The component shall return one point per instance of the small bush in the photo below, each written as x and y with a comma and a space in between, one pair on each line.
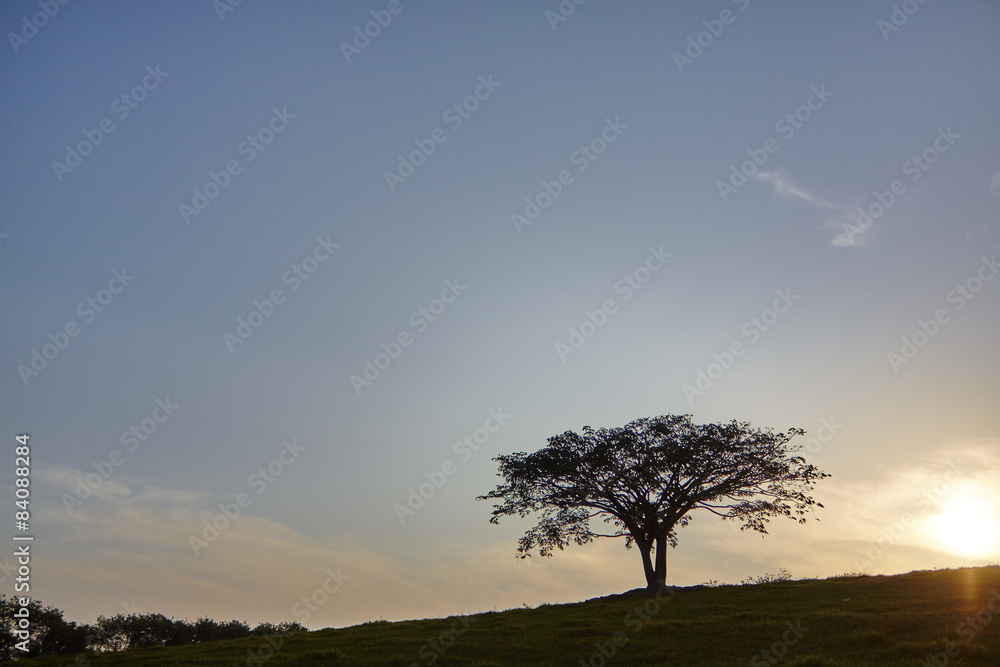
768, 578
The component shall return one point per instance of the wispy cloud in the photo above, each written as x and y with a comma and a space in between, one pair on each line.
995, 185
77, 487
783, 186
842, 222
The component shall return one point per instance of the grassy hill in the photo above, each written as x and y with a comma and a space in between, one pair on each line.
884, 620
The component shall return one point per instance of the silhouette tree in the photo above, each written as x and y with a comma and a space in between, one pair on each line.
645, 478
48, 633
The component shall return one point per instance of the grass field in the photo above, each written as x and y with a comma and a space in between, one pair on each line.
909, 619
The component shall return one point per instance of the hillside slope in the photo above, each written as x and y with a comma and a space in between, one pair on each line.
907, 619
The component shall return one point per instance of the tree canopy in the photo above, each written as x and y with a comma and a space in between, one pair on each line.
645, 478
48, 633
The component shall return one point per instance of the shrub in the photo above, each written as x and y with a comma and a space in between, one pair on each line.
768, 578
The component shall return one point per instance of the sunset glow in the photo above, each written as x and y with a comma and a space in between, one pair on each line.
968, 525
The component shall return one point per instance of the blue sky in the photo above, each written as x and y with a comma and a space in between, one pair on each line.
839, 111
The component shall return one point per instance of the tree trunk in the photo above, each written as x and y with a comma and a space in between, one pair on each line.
647, 563
659, 579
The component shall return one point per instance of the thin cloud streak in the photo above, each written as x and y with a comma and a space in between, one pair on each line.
848, 234
784, 187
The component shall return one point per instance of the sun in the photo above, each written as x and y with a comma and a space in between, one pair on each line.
968, 524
